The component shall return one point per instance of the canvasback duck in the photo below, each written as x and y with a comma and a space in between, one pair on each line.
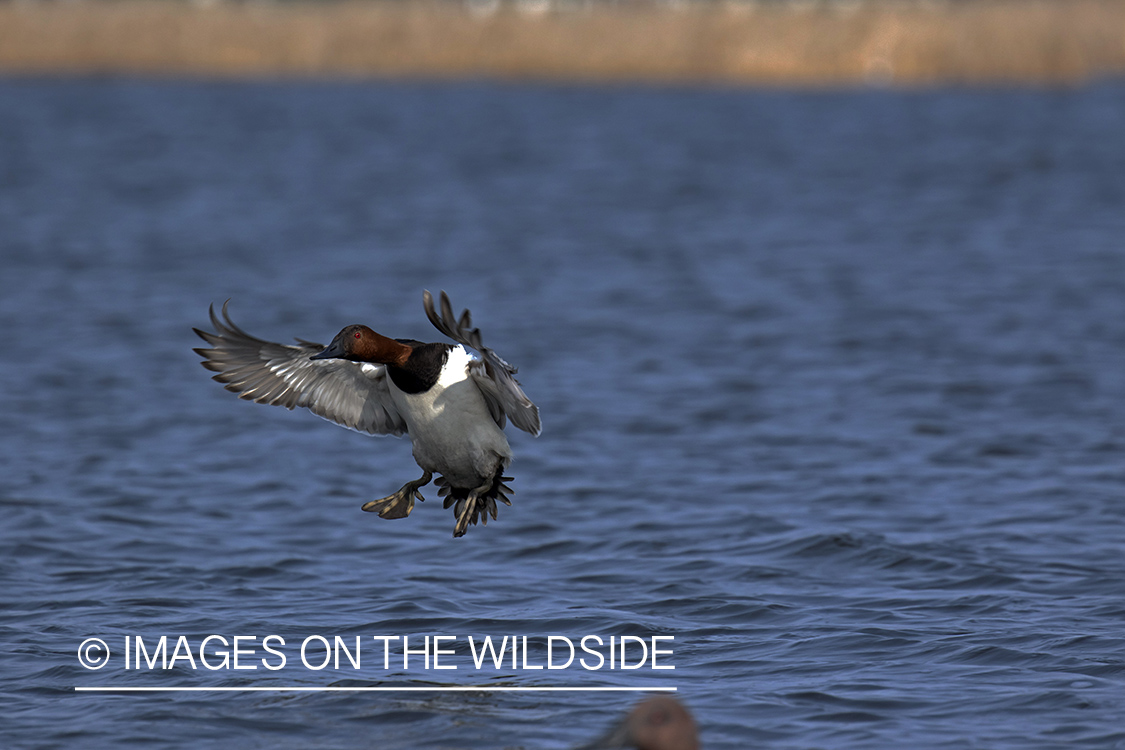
657, 723
452, 405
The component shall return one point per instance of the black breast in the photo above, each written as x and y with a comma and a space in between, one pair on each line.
422, 369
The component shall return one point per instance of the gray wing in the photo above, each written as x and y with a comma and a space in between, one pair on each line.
492, 374
347, 393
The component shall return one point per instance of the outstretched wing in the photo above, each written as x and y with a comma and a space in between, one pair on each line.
348, 393
492, 374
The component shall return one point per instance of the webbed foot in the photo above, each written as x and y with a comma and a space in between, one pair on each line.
400, 503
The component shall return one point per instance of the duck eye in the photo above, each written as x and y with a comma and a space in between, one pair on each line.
357, 334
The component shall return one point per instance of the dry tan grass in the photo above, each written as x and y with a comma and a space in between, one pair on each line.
1039, 41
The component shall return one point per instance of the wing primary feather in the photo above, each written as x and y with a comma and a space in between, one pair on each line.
493, 375
283, 375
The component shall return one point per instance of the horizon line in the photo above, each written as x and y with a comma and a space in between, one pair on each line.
358, 689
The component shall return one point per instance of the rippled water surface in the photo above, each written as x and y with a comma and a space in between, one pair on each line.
833, 392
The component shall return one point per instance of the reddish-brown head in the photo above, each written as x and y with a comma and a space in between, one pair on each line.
657, 723
359, 343
662, 723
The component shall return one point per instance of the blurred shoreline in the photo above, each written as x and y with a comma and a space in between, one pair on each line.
741, 42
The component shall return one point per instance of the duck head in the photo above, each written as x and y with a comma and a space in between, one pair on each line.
359, 343
658, 723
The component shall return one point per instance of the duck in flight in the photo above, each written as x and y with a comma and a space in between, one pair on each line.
452, 405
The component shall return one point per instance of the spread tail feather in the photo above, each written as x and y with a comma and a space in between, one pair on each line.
469, 505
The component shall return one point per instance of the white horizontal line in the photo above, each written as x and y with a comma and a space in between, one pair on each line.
459, 689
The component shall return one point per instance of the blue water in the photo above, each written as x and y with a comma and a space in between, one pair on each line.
832, 385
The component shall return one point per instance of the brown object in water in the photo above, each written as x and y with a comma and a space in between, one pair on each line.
657, 723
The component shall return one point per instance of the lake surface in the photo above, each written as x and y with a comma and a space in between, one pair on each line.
832, 386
